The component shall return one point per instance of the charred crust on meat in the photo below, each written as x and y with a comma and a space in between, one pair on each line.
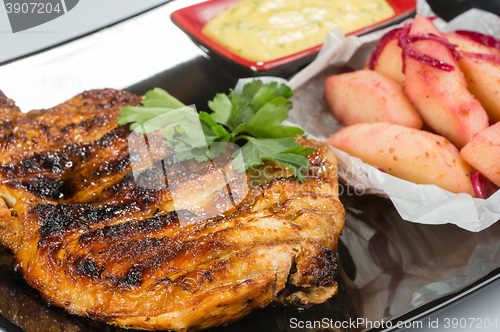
322, 267
79, 152
112, 137
55, 219
134, 277
51, 162
52, 220
87, 267
110, 97
44, 187
134, 228
114, 165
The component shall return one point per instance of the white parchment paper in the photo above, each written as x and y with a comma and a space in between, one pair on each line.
427, 204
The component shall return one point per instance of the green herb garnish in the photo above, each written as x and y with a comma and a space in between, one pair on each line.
251, 119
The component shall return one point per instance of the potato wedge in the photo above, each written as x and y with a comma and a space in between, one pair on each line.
441, 97
368, 96
483, 153
483, 80
410, 154
390, 62
467, 44
482, 75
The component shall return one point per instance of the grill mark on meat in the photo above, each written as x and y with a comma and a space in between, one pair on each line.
58, 162
54, 163
127, 188
52, 220
60, 172
78, 152
8, 141
123, 231
115, 164
108, 98
85, 126
128, 261
133, 277
113, 137
63, 217
87, 267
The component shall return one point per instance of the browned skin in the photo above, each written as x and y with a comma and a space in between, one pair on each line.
94, 242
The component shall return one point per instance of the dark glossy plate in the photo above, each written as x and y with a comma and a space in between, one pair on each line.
383, 262
192, 19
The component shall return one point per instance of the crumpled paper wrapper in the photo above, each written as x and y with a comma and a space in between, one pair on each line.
427, 204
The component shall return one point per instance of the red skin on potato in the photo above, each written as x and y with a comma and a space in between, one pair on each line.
389, 61
441, 97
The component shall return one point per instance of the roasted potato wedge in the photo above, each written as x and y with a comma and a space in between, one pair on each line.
410, 154
368, 96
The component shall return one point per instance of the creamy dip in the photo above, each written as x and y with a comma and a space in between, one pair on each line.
262, 30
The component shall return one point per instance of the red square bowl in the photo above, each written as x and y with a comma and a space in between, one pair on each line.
192, 19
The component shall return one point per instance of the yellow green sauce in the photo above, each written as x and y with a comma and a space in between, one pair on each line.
263, 30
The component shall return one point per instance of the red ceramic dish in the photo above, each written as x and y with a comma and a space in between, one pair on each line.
192, 19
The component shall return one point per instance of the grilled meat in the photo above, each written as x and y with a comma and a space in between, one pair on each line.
92, 231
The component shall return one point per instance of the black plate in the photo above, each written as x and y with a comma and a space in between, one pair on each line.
386, 265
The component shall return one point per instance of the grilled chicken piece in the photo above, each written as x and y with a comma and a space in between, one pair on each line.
95, 236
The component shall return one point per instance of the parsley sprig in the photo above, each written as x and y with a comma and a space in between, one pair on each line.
252, 119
